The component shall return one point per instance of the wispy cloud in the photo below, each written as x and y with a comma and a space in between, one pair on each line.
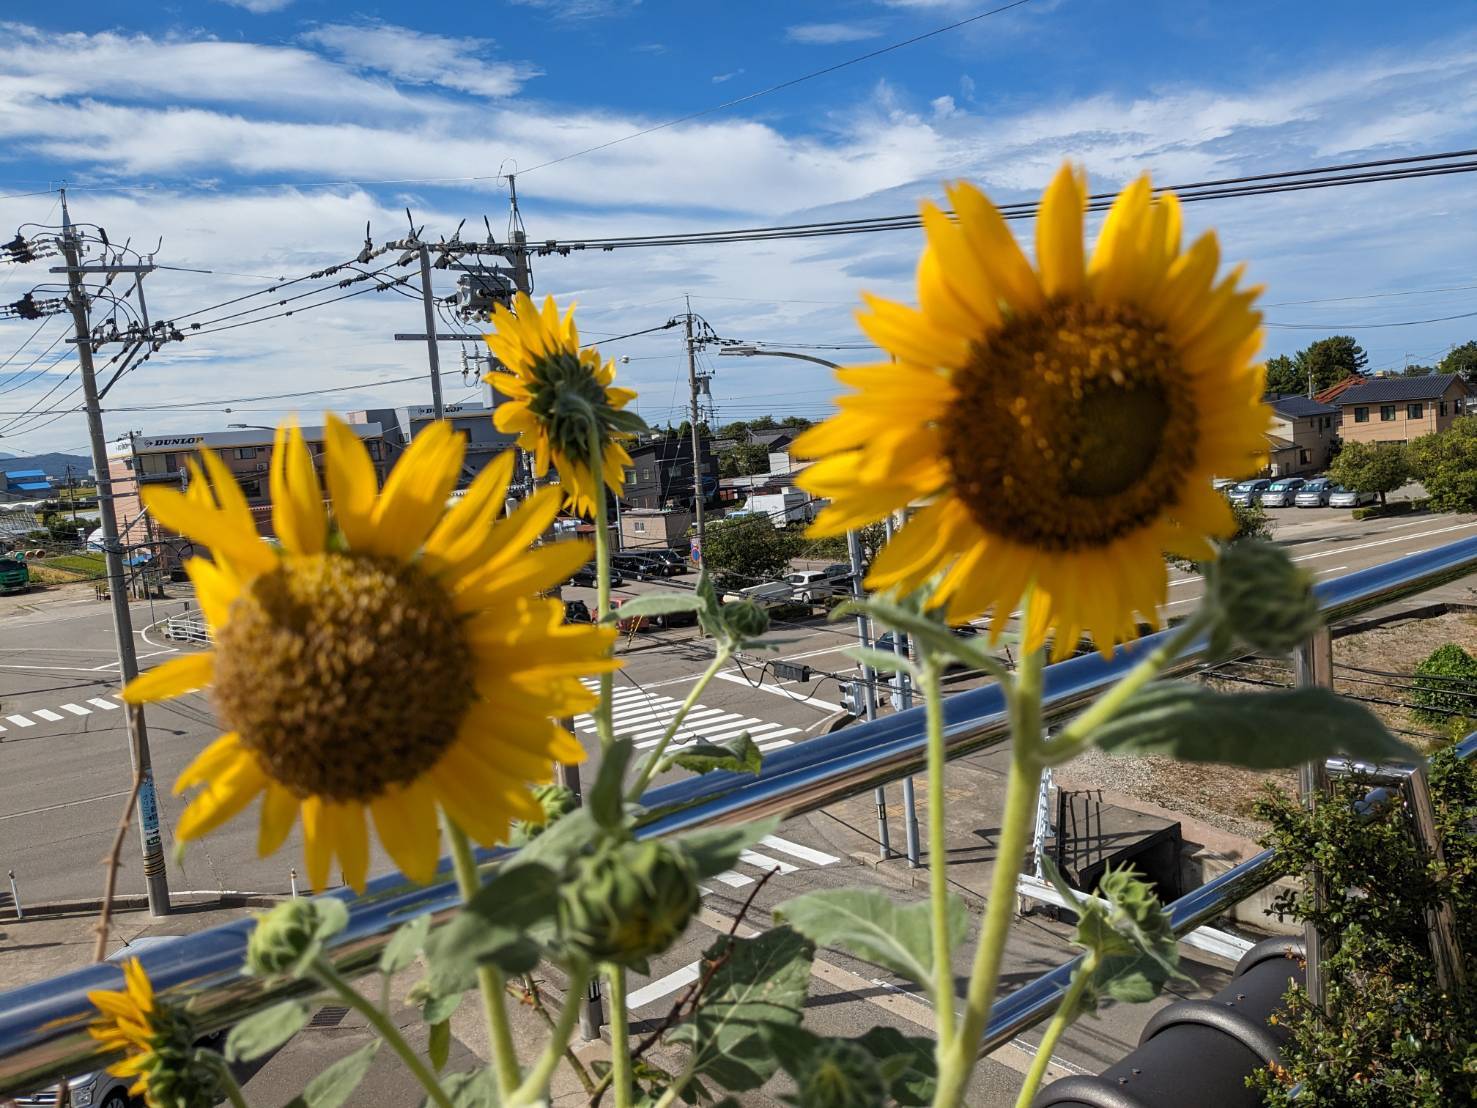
258, 7
720, 78
828, 34
417, 58
581, 9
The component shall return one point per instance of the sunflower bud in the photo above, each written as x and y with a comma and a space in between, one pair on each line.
290, 936
1260, 598
839, 1074
556, 801
745, 619
177, 1075
626, 901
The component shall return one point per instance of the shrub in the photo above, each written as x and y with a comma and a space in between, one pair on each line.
1446, 685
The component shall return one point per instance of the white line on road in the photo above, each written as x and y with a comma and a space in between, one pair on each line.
663, 986
798, 850
47, 714
76, 709
105, 705
765, 862
776, 691
21, 721
1339, 551
68, 804
1194, 599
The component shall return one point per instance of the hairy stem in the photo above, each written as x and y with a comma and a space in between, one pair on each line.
535, 1086
1066, 1013
489, 978
720, 659
620, 1036
537, 1000
330, 979
226, 1080
938, 855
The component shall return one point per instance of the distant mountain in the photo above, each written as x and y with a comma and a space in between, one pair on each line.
53, 464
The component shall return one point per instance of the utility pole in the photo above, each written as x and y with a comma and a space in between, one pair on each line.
697, 448
138, 736
428, 299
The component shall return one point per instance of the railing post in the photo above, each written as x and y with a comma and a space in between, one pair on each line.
15, 896
1446, 950
1314, 661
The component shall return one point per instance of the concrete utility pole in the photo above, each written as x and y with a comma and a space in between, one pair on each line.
138, 736
433, 355
697, 446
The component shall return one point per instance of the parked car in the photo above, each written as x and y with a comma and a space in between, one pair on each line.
1314, 493
885, 640
812, 586
1347, 498
576, 611
1220, 484
650, 622
770, 594
1247, 491
674, 562
585, 575
1280, 493
640, 567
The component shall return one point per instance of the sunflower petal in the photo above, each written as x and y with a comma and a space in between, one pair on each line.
172, 678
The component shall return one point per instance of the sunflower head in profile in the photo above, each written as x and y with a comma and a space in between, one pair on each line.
1057, 426
157, 1042
389, 659
556, 393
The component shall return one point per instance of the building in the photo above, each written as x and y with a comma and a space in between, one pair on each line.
1302, 437
1399, 409
652, 527
782, 506
139, 461
27, 484
660, 473
474, 420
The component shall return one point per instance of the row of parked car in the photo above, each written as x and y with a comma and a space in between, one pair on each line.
1297, 492
645, 565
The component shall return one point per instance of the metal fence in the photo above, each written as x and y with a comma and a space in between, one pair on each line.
43, 1026
190, 627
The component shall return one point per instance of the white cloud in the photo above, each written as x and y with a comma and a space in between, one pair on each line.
720, 78
259, 7
417, 58
581, 9
943, 106
828, 34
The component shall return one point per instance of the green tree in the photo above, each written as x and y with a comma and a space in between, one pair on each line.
1446, 687
1282, 376
744, 459
1446, 464
795, 422
1461, 359
1329, 361
748, 550
1370, 467
873, 537
1252, 522
1417, 371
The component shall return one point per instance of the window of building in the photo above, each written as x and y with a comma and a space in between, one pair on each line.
374, 450
1387, 413
1361, 415
171, 463
1304, 457
639, 526
1442, 409
629, 476
1415, 411
251, 488
245, 452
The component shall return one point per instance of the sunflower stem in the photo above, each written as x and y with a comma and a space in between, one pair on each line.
1066, 1013
329, 978
938, 855
489, 978
226, 1079
648, 770
1022, 787
620, 1036
604, 725
1072, 739
536, 1084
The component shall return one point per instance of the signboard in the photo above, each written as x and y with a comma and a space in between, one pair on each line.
697, 554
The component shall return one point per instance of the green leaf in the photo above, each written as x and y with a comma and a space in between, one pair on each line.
715, 849
471, 1089
571, 834
654, 604
868, 924
760, 985
335, 1084
606, 804
405, 944
710, 611
438, 1045
1270, 730
739, 755
907, 1063
499, 925
883, 660
437, 1009
266, 1031
936, 636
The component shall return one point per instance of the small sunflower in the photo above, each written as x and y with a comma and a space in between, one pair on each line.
384, 664
157, 1043
1059, 425
554, 388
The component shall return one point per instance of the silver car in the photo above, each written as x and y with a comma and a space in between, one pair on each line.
1247, 491
1340, 497
1279, 493
1315, 493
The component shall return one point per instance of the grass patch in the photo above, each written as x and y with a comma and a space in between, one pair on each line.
82, 565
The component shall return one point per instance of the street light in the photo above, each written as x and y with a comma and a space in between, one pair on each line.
748, 351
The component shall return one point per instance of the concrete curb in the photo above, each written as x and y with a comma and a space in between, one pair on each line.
192, 898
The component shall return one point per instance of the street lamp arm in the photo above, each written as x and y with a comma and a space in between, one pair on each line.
754, 352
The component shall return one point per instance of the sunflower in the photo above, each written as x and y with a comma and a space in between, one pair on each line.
1058, 426
554, 389
153, 1038
381, 665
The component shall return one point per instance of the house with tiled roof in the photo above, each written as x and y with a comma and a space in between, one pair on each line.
1302, 435
1399, 409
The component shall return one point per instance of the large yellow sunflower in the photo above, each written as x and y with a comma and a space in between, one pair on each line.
129, 1024
385, 661
554, 390
1057, 426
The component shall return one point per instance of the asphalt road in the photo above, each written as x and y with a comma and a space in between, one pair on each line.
64, 770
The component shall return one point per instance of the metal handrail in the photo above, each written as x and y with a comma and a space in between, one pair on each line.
43, 1025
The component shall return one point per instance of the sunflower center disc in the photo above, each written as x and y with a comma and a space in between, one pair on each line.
343, 673
1071, 428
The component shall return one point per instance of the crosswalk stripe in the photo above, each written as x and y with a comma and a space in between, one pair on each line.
663, 986
686, 732
106, 705
76, 709
730, 730
780, 734
21, 721
692, 717
731, 877
799, 850
48, 714
765, 862
775, 745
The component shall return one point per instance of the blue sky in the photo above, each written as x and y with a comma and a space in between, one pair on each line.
254, 137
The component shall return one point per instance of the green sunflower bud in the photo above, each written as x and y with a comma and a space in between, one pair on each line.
839, 1074
626, 901
180, 1074
556, 801
291, 935
1260, 598
745, 619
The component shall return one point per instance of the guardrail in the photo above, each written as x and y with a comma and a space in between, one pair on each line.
43, 1026
187, 628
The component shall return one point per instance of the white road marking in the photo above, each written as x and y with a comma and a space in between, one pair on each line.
663, 986
48, 714
810, 701
706, 713
1194, 599
106, 705
77, 709
798, 850
765, 862
21, 721
1339, 551
763, 747
68, 804
737, 880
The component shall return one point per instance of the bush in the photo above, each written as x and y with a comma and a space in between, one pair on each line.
1398, 508
1370, 467
1446, 463
1446, 685
1252, 522
1388, 1035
